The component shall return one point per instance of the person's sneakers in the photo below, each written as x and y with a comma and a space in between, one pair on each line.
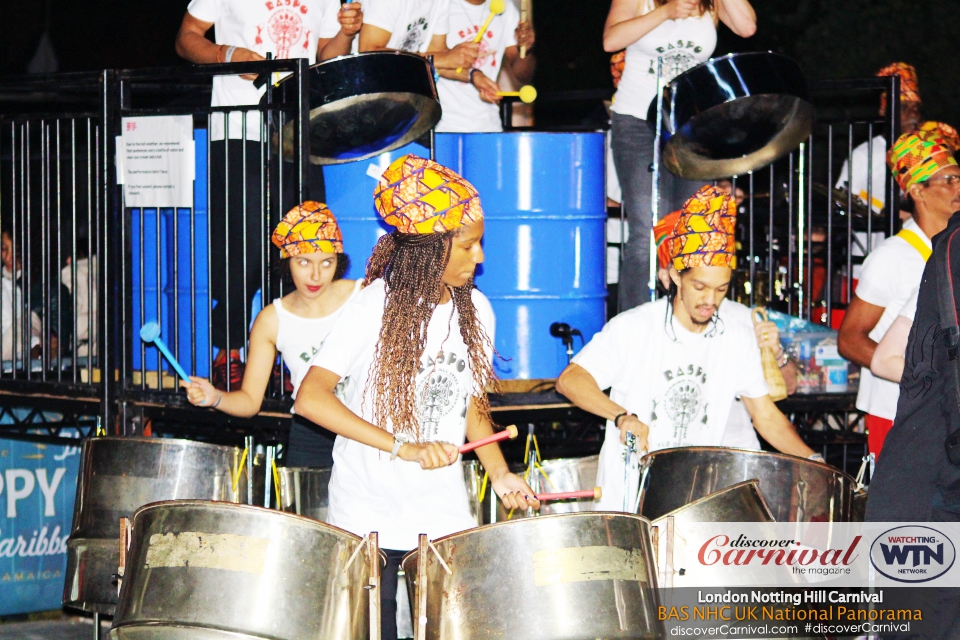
224, 370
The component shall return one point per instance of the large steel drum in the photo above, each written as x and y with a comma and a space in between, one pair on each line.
364, 104
303, 490
563, 577
795, 489
117, 477
733, 114
210, 570
558, 475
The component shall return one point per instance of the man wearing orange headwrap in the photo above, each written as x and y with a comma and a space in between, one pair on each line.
873, 152
923, 165
673, 366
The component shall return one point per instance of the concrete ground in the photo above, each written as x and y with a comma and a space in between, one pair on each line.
65, 628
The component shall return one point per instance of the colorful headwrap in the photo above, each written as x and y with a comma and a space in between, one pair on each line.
618, 63
916, 157
909, 87
420, 196
942, 130
704, 232
661, 231
308, 228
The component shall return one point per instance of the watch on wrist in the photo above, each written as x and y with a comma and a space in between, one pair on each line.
816, 458
399, 439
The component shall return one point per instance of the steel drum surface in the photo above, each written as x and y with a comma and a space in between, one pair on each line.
795, 489
364, 104
303, 491
213, 570
544, 206
733, 114
118, 475
564, 577
562, 474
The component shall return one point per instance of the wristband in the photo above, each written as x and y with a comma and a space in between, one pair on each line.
217, 404
229, 54
473, 71
783, 359
616, 421
399, 439
817, 458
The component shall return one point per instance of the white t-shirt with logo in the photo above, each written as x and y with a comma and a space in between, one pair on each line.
890, 274
683, 44
463, 110
284, 28
739, 432
398, 499
679, 383
857, 178
411, 23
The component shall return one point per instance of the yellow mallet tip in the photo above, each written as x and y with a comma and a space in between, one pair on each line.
527, 94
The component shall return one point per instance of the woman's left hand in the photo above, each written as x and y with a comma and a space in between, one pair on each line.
514, 492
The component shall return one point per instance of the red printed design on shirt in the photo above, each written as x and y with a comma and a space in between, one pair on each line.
284, 27
488, 54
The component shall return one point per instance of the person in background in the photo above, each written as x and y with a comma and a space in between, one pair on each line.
856, 180
247, 30
684, 34
927, 174
470, 98
674, 367
313, 262
13, 324
85, 296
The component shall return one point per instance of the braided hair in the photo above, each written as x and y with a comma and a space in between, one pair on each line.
411, 267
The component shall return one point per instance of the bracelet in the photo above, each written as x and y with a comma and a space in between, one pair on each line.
229, 56
816, 458
783, 359
616, 421
218, 401
473, 71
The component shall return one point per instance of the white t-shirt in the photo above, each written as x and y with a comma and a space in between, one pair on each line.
909, 310
411, 23
890, 273
463, 110
285, 28
858, 180
739, 432
398, 499
683, 44
679, 383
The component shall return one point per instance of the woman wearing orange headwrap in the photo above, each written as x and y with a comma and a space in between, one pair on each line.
312, 261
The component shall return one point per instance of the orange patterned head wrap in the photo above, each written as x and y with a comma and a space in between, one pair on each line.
661, 231
703, 234
909, 87
420, 196
308, 228
931, 129
916, 157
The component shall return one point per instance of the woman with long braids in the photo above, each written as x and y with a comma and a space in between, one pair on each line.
417, 345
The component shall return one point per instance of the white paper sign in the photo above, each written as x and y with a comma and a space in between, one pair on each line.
155, 161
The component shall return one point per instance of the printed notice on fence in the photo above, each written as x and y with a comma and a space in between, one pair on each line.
155, 161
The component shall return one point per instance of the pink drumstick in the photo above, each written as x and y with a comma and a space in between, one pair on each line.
509, 432
591, 494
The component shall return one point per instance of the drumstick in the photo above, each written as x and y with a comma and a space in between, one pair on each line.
509, 432
150, 332
589, 494
496, 8
527, 93
524, 17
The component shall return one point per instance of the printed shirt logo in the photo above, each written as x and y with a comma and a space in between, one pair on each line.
284, 27
683, 404
416, 32
677, 57
440, 392
488, 54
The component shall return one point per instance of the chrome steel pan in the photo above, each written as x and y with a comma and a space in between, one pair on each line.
364, 104
733, 114
558, 475
117, 477
795, 489
212, 570
303, 490
561, 577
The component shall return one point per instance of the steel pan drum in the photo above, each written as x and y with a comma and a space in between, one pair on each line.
117, 477
563, 577
733, 114
303, 490
364, 104
859, 511
795, 489
565, 474
209, 570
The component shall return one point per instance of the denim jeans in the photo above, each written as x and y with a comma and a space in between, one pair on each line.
632, 142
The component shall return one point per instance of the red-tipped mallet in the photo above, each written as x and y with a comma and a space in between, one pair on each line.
510, 432
589, 494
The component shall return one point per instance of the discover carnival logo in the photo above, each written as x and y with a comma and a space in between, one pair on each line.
912, 554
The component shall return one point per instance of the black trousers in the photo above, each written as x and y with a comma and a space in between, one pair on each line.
389, 581
310, 445
241, 222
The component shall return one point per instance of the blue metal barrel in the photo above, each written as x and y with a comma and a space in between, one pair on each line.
545, 215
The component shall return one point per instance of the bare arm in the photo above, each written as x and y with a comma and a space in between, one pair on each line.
192, 45
522, 68
581, 388
888, 360
853, 341
316, 401
508, 486
770, 423
625, 25
461, 56
739, 16
351, 20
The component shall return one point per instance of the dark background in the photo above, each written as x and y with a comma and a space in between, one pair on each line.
830, 39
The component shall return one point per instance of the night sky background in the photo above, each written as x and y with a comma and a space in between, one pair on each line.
830, 39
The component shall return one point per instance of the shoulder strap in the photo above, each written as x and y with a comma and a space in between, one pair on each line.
916, 242
949, 323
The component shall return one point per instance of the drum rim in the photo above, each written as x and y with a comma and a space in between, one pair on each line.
353, 56
160, 441
776, 454
752, 481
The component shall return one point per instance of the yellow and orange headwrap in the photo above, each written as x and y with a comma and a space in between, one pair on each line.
704, 232
916, 157
661, 231
933, 129
909, 87
308, 228
420, 196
